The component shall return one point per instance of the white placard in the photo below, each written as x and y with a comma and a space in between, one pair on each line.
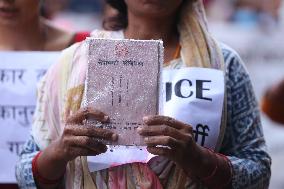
195, 96
19, 74
191, 95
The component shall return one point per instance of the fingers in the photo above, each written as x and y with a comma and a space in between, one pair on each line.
87, 113
90, 131
80, 141
89, 143
165, 136
172, 143
164, 120
160, 151
162, 141
79, 151
162, 130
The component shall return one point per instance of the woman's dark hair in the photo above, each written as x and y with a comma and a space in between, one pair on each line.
120, 5
119, 21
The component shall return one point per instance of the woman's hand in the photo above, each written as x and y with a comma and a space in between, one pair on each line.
165, 136
83, 140
77, 140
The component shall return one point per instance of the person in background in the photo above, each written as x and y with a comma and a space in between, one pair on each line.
207, 3
256, 12
23, 29
219, 10
112, 18
54, 156
249, 13
51, 8
273, 7
273, 102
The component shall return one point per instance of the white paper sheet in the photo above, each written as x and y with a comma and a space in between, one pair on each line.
19, 73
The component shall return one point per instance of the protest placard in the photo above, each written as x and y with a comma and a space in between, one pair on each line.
19, 74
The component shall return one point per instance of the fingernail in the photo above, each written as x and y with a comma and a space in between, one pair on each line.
104, 149
146, 139
106, 118
139, 129
146, 119
114, 137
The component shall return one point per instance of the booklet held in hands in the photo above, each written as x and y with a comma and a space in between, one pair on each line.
123, 81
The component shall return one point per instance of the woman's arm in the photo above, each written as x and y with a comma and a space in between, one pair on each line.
77, 139
46, 164
173, 139
244, 142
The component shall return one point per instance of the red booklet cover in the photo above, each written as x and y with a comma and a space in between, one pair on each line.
123, 81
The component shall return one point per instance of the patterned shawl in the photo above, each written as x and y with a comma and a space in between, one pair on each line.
60, 95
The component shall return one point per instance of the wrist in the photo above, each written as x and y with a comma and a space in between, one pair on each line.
55, 154
200, 164
51, 163
221, 175
208, 163
41, 179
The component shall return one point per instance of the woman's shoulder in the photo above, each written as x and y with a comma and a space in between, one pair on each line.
233, 62
230, 54
236, 71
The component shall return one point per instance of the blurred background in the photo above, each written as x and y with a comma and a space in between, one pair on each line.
254, 28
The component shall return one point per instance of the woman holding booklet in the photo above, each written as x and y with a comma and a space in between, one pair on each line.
55, 154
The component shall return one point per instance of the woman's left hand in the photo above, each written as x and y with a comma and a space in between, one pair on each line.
165, 136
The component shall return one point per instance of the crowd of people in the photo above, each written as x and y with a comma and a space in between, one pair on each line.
245, 12
53, 157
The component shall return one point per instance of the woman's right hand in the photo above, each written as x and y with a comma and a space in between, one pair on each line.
76, 140
79, 139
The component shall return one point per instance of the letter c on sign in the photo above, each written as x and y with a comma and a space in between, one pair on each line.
178, 88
